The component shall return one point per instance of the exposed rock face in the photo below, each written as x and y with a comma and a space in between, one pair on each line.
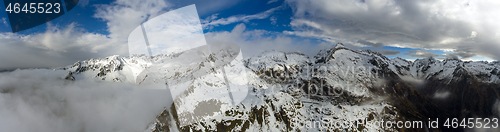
291, 91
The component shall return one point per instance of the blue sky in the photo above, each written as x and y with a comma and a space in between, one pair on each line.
394, 28
84, 16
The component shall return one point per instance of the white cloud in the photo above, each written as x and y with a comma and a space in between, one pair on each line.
311, 34
465, 26
175, 31
473, 34
57, 47
413, 80
421, 54
254, 42
210, 22
442, 95
272, 1
449, 55
39, 100
122, 16
4, 21
273, 20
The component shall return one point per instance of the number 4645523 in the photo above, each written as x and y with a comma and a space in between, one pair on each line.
34, 8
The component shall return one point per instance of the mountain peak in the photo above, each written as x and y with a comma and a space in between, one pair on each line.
339, 45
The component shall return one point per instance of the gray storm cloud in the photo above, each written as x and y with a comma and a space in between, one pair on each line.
468, 28
367, 43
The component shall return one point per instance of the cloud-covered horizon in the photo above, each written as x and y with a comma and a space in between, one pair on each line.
41, 100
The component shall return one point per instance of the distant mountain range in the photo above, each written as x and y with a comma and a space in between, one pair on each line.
291, 91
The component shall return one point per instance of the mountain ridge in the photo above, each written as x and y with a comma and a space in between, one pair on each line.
367, 82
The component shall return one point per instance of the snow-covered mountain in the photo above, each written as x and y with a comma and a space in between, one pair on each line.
290, 91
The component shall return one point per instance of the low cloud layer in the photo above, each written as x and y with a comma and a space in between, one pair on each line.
39, 100
441, 95
425, 54
421, 54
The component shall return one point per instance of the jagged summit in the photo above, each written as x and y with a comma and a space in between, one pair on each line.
339, 45
326, 54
